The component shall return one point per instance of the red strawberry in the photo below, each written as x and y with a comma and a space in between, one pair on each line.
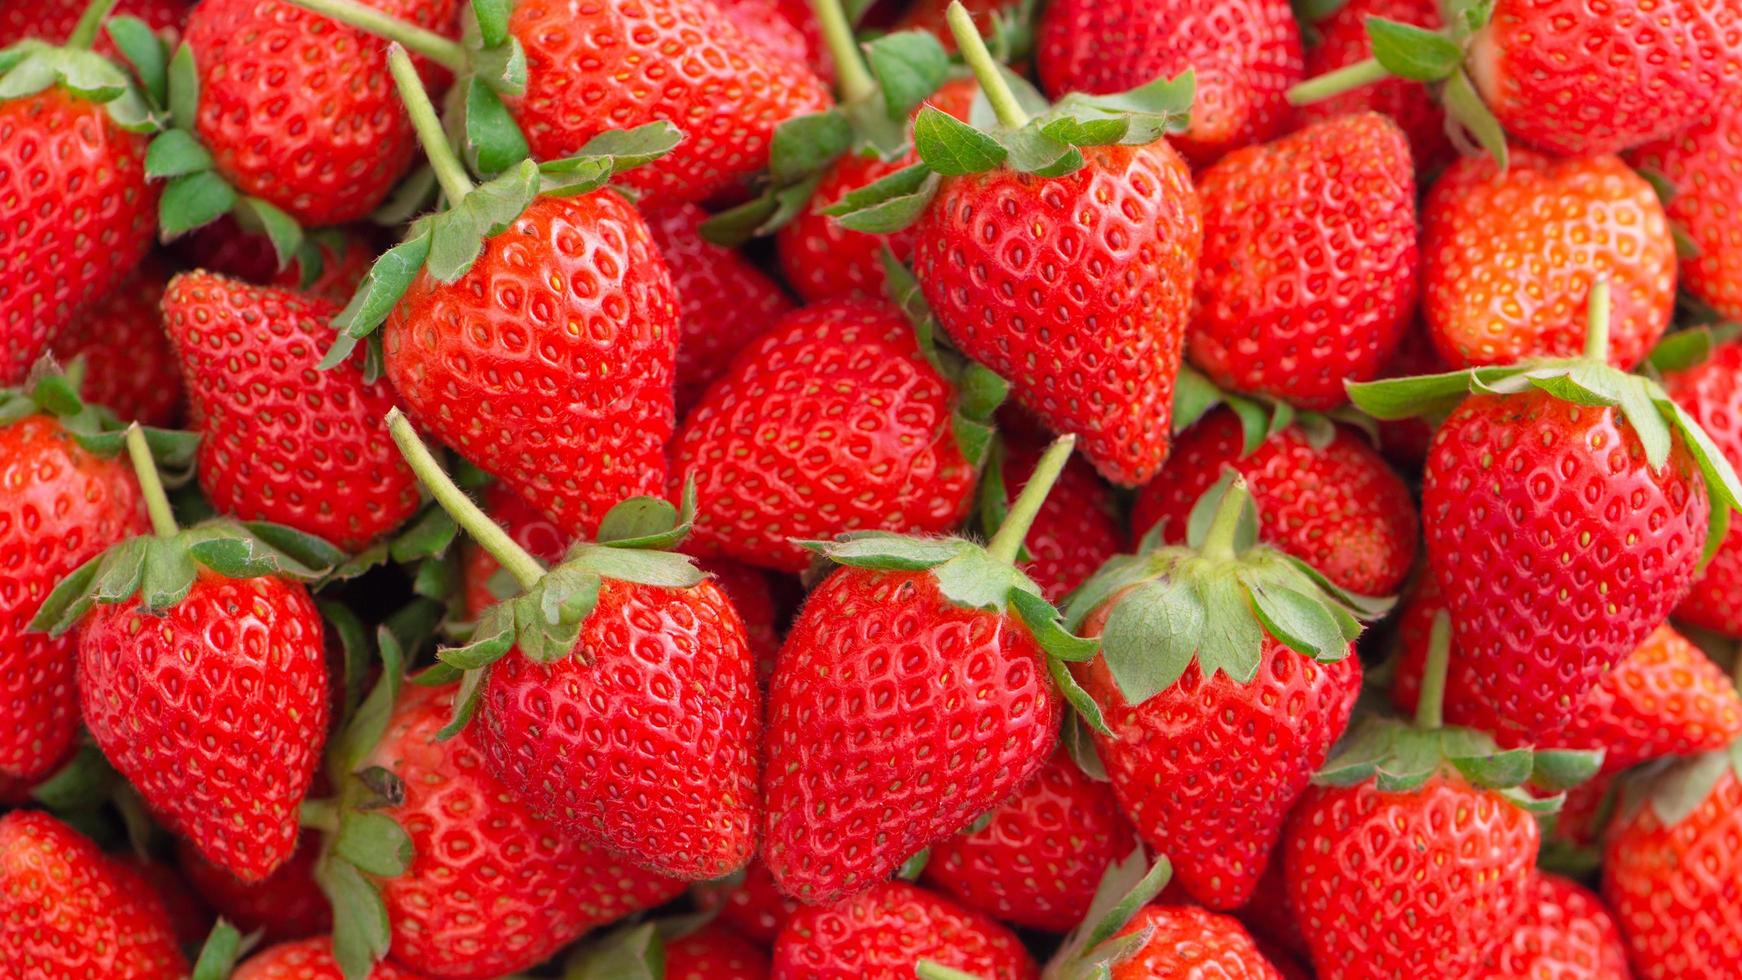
1699, 163
309, 959
724, 300
65, 912
714, 952
63, 504
832, 421
286, 904
1670, 872
1509, 257
189, 918
1323, 496
1075, 531
1710, 392
492, 888
130, 366
1216, 725
1245, 53
785, 27
283, 441
749, 902
753, 597
1343, 41
1565, 933
1038, 859
885, 932
1309, 262
54, 20
1190, 942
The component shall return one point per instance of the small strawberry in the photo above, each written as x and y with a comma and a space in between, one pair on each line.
1245, 53
1218, 716
1323, 496
309, 959
65, 912
714, 952
1075, 531
287, 904
933, 651
1699, 165
1670, 871
1309, 261
130, 366
1712, 394
886, 932
1509, 257
1343, 41
1565, 933
748, 901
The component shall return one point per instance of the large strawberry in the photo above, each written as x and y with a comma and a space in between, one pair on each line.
1245, 53
72, 174
130, 367
1699, 165
202, 674
620, 698
885, 933
1323, 496
1342, 40
1565, 507
1224, 676
64, 501
65, 912
1671, 867
912, 695
1711, 392
1565, 933
1309, 266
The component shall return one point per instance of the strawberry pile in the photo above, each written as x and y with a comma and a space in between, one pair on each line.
827, 489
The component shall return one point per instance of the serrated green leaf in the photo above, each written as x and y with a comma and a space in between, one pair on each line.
68, 602
1402, 398
387, 280
1412, 52
193, 200
952, 147
806, 145
361, 931
121, 573
762, 215
1302, 622
175, 152
891, 551
663, 569
974, 579
909, 66
1115, 575
169, 573
1232, 640
457, 236
1031, 151
494, 141
1151, 636
637, 517
627, 148
184, 88
888, 204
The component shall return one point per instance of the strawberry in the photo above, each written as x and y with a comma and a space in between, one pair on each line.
1246, 54
1216, 725
714, 952
1711, 394
75, 228
748, 901
287, 904
66, 912
620, 699
753, 596
884, 933
309, 959
63, 504
1040, 855
786, 28
1186, 941
1565, 932
834, 420
1698, 164
1343, 41
1309, 261
1563, 500
1075, 531
1670, 871
1509, 257
844, 704
54, 20
1323, 496
189, 918
130, 366
330, 264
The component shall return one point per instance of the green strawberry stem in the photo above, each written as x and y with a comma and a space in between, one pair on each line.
1429, 707
851, 73
150, 484
320, 815
443, 51
85, 31
1225, 525
1597, 323
974, 52
1334, 83
449, 171
1007, 543
510, 555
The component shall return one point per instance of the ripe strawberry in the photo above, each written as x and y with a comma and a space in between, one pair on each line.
1309, 262
714, 952
748, 901
1216, 727
282, 441
53, 20
309, 959
66, 912
724, 300
189, 918
1711, 394
492, 888
1343, 41
1670, 872
1509, 257
287, 904
1191, 942
1323, 496
1075, 531
752, 595
1040, 855
785, 27
1699, 164
1246, 54
63, 504
130, 367
834, 420
1564, 933
885, 932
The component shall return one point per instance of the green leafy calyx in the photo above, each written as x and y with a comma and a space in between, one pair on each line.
1095, 946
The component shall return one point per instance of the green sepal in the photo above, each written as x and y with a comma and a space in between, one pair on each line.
491, 19
909, 66
1464, 106
31, 66
1562, 769
1412, 52
630, 952
174, 153
54, 390
457, 235
979, 390
933, 970
283, 231
605, 156
1074, 736
386, 281
223, 947
889, 203
85, 782
1136, 117
1677, 789
193, 200
493, 140
145, 52
362, 933
363, 730
1095, 946
375, 843
649, 522
953, 148
763, 214
914, 866
1399, 757
184, 88
808, 144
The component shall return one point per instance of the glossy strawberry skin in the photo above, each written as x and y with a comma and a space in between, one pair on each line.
1565, 934
1673, 888
1208, 768
832, 421
282, 440
285, 905
1075, 531
492, 889
1343, 41
214, 710
1038, 860
1508, 259
1190, 943
1556, 547
714, 952
882, 933
66, 913
1340, 508
1245, 54
79, 217
1700, 162
1712, 394
298, 109
1577, 81
309, 959
1309, 264
130, 367
59, 507
1420, 883
894, 719
563, 391
751, 903
631, 62
644, 739
1076, 290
